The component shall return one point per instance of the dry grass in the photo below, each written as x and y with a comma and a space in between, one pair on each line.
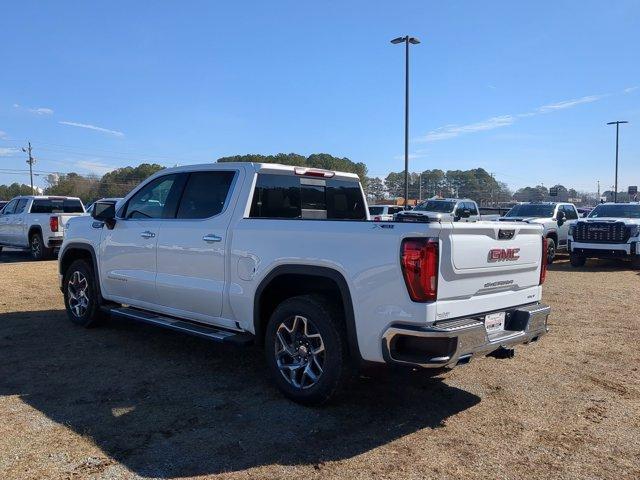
124, 400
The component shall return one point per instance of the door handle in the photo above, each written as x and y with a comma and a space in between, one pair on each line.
210, 238
147, 234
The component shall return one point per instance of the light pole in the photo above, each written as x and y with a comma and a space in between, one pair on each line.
617, 124
414, 41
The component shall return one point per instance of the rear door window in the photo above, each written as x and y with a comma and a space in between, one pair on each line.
205, 194
472, 208
56, 205
289, 196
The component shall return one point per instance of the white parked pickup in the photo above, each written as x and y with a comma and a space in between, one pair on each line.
287, 258
37, 223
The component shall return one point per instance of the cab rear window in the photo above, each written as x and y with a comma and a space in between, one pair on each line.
56, 205
289, 196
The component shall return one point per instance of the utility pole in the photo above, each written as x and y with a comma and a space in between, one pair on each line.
598, 200
407, 40
30, 161
617, 124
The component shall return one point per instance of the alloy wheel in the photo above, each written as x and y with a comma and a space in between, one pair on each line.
299, 352
77, 290
551, 253
36, 247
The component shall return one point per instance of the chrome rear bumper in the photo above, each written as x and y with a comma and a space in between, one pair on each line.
449, 342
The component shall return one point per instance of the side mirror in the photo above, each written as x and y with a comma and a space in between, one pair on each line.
105, 211
466, 213
561, 217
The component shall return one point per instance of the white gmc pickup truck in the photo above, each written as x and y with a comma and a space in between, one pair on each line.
37, 222
286, 257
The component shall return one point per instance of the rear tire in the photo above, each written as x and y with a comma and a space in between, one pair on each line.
306, 349
551, 250
81, 298
635, 263
39, 250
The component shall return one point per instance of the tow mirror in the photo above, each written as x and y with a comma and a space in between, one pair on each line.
105, 211
466, 213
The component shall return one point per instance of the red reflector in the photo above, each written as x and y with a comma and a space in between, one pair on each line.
419, 261
310, 172
377, 218
543, 261
53, 224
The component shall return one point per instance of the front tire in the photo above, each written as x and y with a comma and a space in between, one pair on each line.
306, 349
577, 260
81, 298
551, 250
39, 250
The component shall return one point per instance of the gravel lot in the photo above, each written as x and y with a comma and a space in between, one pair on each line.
125, 400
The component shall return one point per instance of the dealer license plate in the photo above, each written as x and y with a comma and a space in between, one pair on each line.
494, 322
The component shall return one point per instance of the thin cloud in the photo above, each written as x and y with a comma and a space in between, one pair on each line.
630, 89
568, 103
8, 151
3, 135
115, 133
42, 111
452, 131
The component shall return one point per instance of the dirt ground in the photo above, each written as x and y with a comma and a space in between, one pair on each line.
125, 400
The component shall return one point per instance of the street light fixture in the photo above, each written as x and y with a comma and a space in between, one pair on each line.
617, 124
413, 41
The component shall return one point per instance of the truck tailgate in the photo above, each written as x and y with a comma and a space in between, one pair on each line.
63, 218
487, 266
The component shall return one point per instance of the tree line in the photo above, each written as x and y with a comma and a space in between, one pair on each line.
476, 183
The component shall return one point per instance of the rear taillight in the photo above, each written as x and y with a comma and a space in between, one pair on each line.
543, 261
377, 218
419, 260
53, 223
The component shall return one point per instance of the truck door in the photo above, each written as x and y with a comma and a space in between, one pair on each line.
192, 248
563, 230
5, 222
18, 224
128, 251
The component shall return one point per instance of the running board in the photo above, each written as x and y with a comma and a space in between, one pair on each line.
197, 329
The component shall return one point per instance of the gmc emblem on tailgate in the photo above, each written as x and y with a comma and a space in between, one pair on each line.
504, 254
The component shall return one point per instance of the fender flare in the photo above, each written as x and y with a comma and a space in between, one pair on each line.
87, 248
315, 271
33, 228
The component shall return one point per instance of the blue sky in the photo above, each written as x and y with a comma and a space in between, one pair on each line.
521, 90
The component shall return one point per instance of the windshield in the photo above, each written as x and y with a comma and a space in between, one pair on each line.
531, 210
376, 210
616, 211
439, 206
